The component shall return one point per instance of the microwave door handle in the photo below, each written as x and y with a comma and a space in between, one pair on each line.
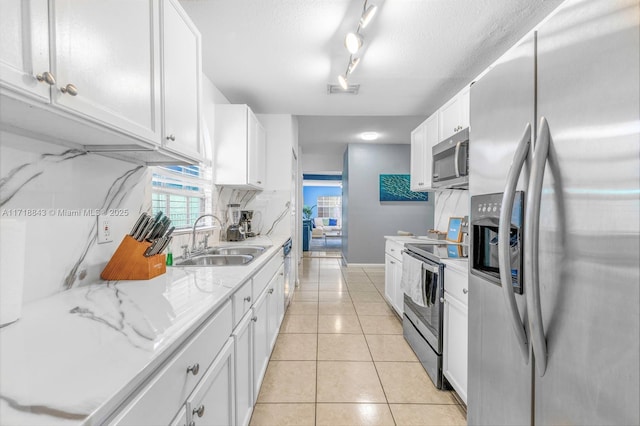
456, 159
504, 233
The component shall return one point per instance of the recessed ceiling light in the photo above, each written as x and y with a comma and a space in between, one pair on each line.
369, 136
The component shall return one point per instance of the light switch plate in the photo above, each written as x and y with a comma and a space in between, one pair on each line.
104, 229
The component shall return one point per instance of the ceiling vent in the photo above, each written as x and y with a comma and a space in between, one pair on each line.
333, 89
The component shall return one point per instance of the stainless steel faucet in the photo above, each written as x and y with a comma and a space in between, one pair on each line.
193, 231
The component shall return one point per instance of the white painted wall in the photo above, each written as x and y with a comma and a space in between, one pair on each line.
319, 163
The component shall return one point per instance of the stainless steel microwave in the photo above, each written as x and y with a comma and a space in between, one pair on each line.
450, 162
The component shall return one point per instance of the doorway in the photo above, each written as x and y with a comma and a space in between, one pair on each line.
322, 215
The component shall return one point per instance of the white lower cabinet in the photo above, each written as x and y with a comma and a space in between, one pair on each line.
276, 306
393, 275
456, 313
260, 341
215, 377
166, 391
213, 401
181, 418
243, 338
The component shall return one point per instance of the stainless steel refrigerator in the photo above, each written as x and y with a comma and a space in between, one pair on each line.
554, 300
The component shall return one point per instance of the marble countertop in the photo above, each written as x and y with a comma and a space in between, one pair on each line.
75, 357
416, 239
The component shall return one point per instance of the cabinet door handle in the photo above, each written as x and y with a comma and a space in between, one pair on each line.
442, 300
46, 77
199, 411
270, 291
392, 262
69, 89
247, 299
194, 369
254, 319
465, 291
171, 138
260, 182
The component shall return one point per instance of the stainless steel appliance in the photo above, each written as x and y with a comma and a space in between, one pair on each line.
451, 161
246, 216
288, 282
423, 325
485, 261
235, 231
566, 351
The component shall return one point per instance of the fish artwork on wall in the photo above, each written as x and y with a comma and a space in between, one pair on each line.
396, 187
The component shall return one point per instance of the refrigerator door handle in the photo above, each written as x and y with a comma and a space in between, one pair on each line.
504, 233
544, 152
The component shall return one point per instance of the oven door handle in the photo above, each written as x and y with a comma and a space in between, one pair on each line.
425, 265
504, 246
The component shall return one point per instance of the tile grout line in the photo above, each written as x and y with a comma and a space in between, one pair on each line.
384, 392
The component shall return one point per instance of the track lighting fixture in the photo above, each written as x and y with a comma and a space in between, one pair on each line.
367, 15
354, 41
353, 64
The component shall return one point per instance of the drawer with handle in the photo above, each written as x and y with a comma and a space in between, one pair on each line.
456, 283
242, 300
167, 391
394, 249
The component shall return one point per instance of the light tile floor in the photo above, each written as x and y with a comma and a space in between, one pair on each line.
340, 358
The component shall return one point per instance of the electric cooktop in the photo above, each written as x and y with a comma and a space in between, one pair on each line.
437, 252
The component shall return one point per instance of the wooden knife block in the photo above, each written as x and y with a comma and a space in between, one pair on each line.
129, 263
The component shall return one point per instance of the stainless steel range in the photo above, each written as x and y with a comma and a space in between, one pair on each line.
422, 322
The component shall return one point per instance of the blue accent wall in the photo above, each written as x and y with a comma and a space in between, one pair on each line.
310, 195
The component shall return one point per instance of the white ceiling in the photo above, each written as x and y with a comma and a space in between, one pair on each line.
279, 55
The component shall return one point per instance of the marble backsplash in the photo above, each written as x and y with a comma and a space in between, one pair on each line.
52, 194
450, 203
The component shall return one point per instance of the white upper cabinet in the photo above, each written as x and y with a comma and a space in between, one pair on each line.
181, 81
422, 140
89, 73
256, 152
454, 115
106, 64
24, 48
240, 147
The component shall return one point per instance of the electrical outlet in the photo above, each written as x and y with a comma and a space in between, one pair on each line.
104, 229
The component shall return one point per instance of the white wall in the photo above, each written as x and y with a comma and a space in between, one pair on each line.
319, 163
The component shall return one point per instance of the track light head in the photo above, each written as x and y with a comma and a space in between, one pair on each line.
368, 15
353, 64
353, 42
343, 82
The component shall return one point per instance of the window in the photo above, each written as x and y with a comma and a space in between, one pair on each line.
182, 193
330, 207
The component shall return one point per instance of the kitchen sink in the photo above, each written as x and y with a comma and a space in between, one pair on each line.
237, 250
224, 256
216, 260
